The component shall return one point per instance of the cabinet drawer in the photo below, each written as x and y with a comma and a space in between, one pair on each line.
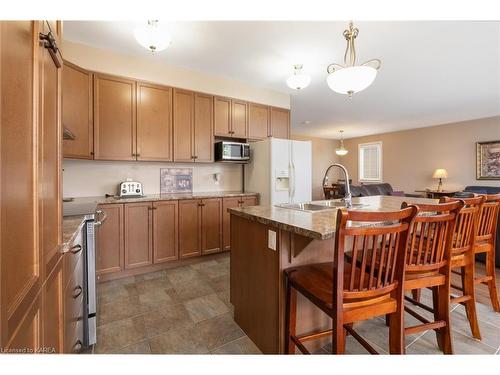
73, 305
72, 257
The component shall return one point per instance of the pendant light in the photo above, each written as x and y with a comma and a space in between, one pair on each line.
351, 78
341, 150
152, 36
298, 80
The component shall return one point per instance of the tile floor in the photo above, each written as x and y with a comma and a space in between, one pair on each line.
186, 310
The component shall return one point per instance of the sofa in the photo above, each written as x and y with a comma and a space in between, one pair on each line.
377, 189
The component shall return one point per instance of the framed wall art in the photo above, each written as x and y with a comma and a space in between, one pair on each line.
488, 160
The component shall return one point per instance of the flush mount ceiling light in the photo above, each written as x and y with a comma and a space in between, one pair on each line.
341, 150
152, 36
298, 80
351, 78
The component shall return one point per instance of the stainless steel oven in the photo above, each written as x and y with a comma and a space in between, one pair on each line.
232, 151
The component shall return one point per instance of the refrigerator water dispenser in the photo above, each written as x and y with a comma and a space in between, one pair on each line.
282, 180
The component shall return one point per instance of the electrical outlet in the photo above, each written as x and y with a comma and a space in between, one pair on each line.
271, 239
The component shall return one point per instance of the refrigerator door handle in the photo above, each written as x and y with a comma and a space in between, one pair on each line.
293, 182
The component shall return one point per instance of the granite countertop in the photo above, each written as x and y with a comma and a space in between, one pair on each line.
164, 197
72, 225
320, 224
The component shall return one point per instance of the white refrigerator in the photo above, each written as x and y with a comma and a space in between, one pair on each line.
280, 171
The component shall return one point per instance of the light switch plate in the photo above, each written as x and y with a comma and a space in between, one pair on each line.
271, 239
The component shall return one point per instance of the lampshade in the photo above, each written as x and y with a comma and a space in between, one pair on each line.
351, 79
153, 36
440, 173
298, 80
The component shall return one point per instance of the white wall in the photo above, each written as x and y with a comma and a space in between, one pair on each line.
105, 61
88, 178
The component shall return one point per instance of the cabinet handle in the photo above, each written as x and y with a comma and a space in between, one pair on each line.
99, 222
78, 291
77, 348
76, 249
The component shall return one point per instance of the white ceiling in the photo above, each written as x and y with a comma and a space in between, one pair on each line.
432, 72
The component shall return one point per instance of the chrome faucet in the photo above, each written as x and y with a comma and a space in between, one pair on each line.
347, 195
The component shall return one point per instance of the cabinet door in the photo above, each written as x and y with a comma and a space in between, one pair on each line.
29, 336
77, 116
239, 119
222, 116
189, 228
250, 201
258, 121
49, 157
183, 125
211, 225
138, 235
203, 130
53, 310
226, 228
109, 239
20, 252
154, 122
114, 118
165, 231
279, 123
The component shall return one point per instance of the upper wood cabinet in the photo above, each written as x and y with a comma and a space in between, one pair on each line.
203, 144
183, 125
154, 122
230, 117
279, 123
138, 234
114, 118
109, 239
193, 135
77, 112
258, 121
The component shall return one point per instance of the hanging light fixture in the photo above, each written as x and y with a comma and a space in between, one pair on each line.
341, 150
298, 80
351, 78
152, 36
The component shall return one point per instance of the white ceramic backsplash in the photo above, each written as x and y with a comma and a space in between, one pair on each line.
86, 178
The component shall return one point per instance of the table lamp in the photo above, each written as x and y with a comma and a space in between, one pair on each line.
440, 173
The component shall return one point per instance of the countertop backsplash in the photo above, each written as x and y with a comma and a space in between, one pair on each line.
88, 178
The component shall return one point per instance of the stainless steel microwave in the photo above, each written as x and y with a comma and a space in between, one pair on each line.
232, 151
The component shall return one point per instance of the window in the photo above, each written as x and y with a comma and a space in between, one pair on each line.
370, 161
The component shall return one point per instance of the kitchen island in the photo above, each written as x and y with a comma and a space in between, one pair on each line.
265, 240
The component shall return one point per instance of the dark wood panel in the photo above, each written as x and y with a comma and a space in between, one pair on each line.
165, 231
154, 122
77, 112
138, 234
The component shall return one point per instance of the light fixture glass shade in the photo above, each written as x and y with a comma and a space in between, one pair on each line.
341, 151
298, 80
351, 79
440, 173
153, 36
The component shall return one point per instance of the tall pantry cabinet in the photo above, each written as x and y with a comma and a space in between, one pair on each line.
31, 282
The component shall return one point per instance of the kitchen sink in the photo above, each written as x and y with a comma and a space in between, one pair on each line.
319, 205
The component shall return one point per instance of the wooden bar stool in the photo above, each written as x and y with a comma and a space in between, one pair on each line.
350, 293
428, 265
486, 244
463, 258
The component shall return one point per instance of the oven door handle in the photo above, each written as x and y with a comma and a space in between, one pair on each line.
100, 222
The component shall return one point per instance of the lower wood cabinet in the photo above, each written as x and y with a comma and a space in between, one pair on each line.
109, 240
189, 228
233, 202
211, 225
165, 231
138, 234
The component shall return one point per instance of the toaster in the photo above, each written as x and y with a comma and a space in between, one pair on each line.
130, 189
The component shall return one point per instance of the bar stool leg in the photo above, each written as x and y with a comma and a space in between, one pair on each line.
290, 317
338, 336
416, 293
492, 284
443, 306
470, 305
435, 305
396, 323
